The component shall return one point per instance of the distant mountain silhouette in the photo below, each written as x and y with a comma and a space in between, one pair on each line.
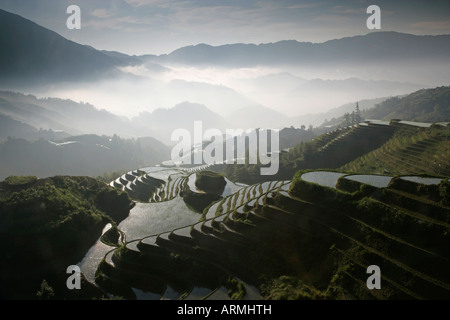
13, 128
335, 115
30, 118
24, 114
218, 98
258, 117
162, 122
287, 93
384, 46
30, 54
91, 155
375, 47
278, 82
317, 92
59, 114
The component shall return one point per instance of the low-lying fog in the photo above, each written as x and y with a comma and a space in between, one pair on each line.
292, 91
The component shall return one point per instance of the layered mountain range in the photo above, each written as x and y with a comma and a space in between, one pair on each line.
44, 79
291, 77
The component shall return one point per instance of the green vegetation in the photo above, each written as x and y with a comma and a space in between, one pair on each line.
373, 148
210, 182
352, 118
401, 228
211, 186
290, 288
46, 292
305, 241
107, 177
236, 289
411, 150
112, 236
246, 173
16, 181
89, 155
290, 238
426, 105
198, 202
155, 272
330, 150
49, 225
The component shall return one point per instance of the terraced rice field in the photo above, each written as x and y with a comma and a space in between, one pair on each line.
334, 225
330, 178
413, 263
422, 180
155, 218
220, 239
323, 178
93, 257
413, 150
164, 223
371, 179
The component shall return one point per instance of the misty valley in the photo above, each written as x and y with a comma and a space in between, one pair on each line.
273, 171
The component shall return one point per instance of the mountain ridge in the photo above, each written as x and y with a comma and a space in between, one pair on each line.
37, 52
372, 47
31, 53
25, 114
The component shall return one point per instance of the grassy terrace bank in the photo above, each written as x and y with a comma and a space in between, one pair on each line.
402, 228
397, 147
210, 184
411, 150
302, 240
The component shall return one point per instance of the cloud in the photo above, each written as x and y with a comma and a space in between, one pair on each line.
305, 5
334, 19
125, 23
342, 9
141, 3
433, 25
102, 13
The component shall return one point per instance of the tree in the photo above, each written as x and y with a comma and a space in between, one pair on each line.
347, 119
358, 117
46, 291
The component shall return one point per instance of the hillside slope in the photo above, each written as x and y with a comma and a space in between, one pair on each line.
378, 47
309, 238
31, 54
62, 114
371, 147
89, 155
412, 150
427, 105
47, 225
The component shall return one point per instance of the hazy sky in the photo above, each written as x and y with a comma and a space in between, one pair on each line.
161, 26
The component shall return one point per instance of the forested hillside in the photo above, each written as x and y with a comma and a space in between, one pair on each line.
47, 225
427, 105
90, 155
